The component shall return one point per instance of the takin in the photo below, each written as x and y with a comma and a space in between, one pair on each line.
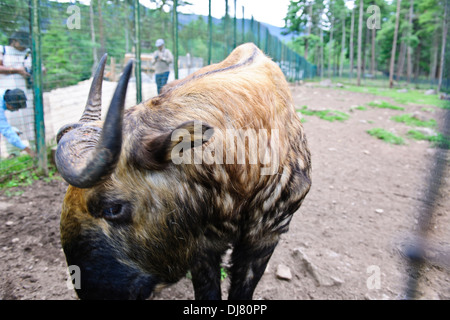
219, 160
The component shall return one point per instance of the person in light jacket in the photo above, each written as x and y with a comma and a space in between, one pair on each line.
163, 58
12, 100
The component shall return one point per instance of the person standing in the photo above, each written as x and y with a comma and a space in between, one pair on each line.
15, 61
15, 69
163, 58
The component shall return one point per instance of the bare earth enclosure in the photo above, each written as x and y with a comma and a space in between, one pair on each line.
345, 242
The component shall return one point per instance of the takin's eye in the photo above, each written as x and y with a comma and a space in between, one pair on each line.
111, 212
116, 212
110, 209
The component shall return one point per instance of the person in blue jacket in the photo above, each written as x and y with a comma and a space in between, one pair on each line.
12, 100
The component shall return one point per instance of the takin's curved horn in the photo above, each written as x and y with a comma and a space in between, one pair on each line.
87, 154
93, 109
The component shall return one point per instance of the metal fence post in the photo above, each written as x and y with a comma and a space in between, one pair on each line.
243, 24
252, 32
37, 87
234, 27
225, 31
175, 38
259, 34
137, 66
210, 31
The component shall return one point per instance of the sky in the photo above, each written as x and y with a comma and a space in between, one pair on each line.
268, 11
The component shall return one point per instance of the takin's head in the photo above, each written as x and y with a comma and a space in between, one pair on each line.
109, 213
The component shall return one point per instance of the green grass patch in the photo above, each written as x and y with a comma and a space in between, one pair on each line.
386, 136
17, 171
384, 105
417, 135
412, 121
329, 115
362, 108
412, 96
223, 274
21, 171
15, 164
438, 140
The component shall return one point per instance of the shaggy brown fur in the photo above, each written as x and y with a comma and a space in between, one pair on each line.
152, 220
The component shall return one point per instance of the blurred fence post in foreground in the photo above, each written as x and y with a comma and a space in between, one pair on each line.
418, 251
37, 87
137, 65
210, 34
175, 39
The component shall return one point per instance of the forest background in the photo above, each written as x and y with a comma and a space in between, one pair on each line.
406, 40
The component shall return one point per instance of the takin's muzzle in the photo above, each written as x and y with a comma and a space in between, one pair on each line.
103, 274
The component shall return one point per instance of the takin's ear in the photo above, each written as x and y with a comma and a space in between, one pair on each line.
156, 151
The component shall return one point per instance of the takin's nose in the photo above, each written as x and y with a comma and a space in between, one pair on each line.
102, 276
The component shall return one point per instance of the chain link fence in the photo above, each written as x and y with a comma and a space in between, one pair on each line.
16, 114
67, 41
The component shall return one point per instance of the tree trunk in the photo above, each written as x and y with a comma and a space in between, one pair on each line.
394, 45
306, 49
317, 56
403, 50
342, 58
309, 30
409, 65
330, 48
336, 64
361, 12
366, 38
401, 56
444, 39
352, 29
321, 53
126, 27
372, 55
100, 29
225, 30
417, 68
434, 57
94, 46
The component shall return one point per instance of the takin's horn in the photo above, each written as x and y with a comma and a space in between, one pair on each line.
88, 154
93, 109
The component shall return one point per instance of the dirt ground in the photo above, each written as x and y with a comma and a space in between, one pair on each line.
344, 243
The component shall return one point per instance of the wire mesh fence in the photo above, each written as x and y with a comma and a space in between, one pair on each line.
16, 95
381, 79
69, 39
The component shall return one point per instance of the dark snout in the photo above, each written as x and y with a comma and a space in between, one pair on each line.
102, 275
